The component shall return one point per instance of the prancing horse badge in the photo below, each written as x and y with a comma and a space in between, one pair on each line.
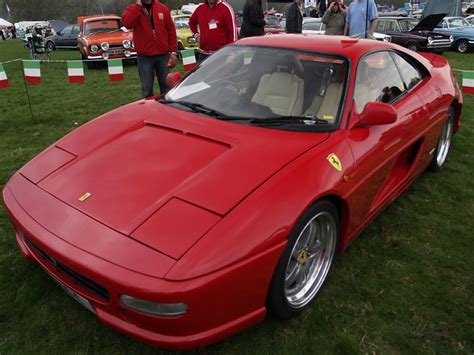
334, 161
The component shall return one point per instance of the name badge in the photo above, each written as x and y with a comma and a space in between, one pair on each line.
161, 16
212, 25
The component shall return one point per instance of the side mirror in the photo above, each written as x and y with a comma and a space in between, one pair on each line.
376, 114
172, 79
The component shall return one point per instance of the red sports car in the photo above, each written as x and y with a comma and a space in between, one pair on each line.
183, 220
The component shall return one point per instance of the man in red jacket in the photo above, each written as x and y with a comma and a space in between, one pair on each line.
154, 36
217, 26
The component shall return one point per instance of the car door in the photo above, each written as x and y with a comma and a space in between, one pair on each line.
72, 40
63, 37
385, 155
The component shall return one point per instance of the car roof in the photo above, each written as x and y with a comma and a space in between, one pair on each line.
353, 48
396, 18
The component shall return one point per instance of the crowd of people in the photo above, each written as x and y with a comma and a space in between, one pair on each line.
213, 24
7, 32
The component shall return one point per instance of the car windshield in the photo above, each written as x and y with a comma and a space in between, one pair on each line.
104, 25
245, 83
457, 22
408, 25
272, 21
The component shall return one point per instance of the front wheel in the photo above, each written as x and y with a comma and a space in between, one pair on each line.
444, 143
305, 262
50, 46
412, 46
462, 46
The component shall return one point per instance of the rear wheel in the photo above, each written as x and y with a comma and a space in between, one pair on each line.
305, 262
462, 46
444, 143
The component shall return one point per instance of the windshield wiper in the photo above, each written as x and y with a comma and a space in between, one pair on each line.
308, 120
195, 107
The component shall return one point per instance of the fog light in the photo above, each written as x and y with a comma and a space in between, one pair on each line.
451, 38
127, 53
153, 308
430, 40
105, 55
104, 46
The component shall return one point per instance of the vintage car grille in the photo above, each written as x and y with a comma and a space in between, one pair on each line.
78, 279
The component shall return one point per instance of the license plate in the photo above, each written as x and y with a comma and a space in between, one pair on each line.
81, 300
116, 51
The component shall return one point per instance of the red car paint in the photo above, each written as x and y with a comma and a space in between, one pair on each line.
242, 187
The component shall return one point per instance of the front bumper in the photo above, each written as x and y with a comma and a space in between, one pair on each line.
112, 56
219, 304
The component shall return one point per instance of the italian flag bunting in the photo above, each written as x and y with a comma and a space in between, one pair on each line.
115, 69
3, 78
468, 82
189, 59
32, 71
75, 71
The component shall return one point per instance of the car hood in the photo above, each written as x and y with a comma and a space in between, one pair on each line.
134, 160
428, 23
114, 37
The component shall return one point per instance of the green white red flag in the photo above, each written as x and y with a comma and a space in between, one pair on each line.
3, 78
189, 59
32, 71
468, 82
75, 71
115, 69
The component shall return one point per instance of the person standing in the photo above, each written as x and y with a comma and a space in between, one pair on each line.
334, 19
322, 7
214, 25
253, 20
294, 17
154, 36
361, 19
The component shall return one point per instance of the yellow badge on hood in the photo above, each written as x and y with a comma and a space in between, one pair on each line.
85, 196
334, 161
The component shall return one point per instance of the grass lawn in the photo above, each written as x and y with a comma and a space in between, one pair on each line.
405, 285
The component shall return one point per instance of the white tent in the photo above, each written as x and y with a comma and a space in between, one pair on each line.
5, 23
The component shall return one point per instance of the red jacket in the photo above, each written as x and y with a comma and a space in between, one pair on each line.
217, 25
146, 42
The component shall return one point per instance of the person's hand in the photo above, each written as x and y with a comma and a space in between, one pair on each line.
173, 60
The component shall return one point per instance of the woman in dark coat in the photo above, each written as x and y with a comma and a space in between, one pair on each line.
253, 20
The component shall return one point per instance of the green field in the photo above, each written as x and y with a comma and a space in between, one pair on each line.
405, 285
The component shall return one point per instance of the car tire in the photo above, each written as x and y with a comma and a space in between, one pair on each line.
444, 143
462, 46
90, 65
305, 262
50, 46
412, 46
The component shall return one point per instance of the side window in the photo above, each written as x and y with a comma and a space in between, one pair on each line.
410, 75
75, 30
377, 80
66, 30
390, 26
380, 26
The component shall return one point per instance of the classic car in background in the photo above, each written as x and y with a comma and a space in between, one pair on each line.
415, 35
63, 39
103, 37
470, 19
183, 220
461, 30
184, 34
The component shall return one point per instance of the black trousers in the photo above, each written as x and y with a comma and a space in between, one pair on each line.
147, 66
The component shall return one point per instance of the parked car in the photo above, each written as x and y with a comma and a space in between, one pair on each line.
64, 39
461, 30
183, 220
103, 37
273, 24
314, 26
184, 34
415, 35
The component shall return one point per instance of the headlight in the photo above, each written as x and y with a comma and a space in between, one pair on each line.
157, 309
126, 44
191, 40
105, 55
451, 38
387, 39
94, 48
430, 40
104, 46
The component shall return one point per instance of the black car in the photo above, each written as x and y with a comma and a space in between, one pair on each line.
415, 35
66, 38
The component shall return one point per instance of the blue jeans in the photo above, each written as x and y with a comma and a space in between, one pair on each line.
147, 66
